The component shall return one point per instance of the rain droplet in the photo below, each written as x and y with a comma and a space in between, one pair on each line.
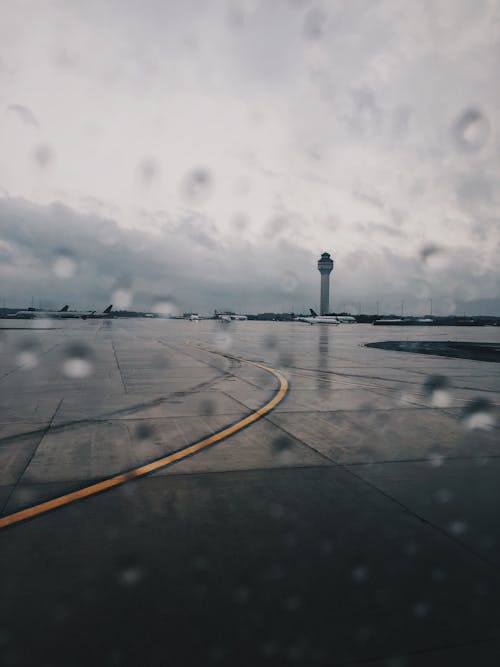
27, 357
314, 22
478, 414
457, 528
292, 603
289, 281
166, 307
430, 250
443, 496
200, 564
78, 362
285, 360
471, 130
122, 298
149, 169
281, 444
242, 595
421, 609
359, 574
64, 265
43, 154
144, 431
436, 459
198, 185
128, 572
223, 340
436, 390
206, 407
276, 510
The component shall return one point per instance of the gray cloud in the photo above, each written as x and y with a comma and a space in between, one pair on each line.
187, 260
248, 137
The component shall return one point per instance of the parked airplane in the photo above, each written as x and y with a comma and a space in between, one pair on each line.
64, 313
95, 315
227, 317
346, 319
318, 319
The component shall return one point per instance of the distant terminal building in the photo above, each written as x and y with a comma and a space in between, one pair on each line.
325, 267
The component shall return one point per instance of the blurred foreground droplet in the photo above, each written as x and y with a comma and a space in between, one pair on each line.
288, 281
478, 414
165, 306
198, 185
436, 391
471, 130
143, 431
27, 357
78, 362
122, 298
64, 264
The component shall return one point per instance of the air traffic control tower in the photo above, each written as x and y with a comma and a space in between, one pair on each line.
325, 267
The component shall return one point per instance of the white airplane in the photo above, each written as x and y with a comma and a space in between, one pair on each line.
318, 319
227, 317
346, 319
64, 313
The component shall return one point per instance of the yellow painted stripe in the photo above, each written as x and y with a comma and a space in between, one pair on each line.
117, 480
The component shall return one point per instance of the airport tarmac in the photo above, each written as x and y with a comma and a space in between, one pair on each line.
341, 509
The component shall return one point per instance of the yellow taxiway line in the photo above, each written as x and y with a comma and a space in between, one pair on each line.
141, 471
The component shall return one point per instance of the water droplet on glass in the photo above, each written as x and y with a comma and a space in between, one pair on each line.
223, 340
436, 391
478, 414
282, 449
443, 496
78, 362
241, 595
276, 510
436, 459
64, 264
27, 357
288, 281
149, 168
471, 130
144, 431
122, 298
291, 603
314, 24
166, 307
200, 563
359, 574
421, 609
457, 528
198, 185
129, 573
43, 155
206, 407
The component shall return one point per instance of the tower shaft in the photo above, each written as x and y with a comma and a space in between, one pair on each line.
325, 267
325, 294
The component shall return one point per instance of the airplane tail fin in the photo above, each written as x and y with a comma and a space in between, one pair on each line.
108, 309
64, 309
313, 313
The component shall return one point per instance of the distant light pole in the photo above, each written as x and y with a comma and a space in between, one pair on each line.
377, 308
430, 302
402, 307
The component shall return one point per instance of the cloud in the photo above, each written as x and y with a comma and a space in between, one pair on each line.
249, 138
188, 260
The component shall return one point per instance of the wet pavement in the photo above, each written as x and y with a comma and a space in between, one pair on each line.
356, 523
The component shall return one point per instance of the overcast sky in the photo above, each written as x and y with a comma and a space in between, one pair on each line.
207, 153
